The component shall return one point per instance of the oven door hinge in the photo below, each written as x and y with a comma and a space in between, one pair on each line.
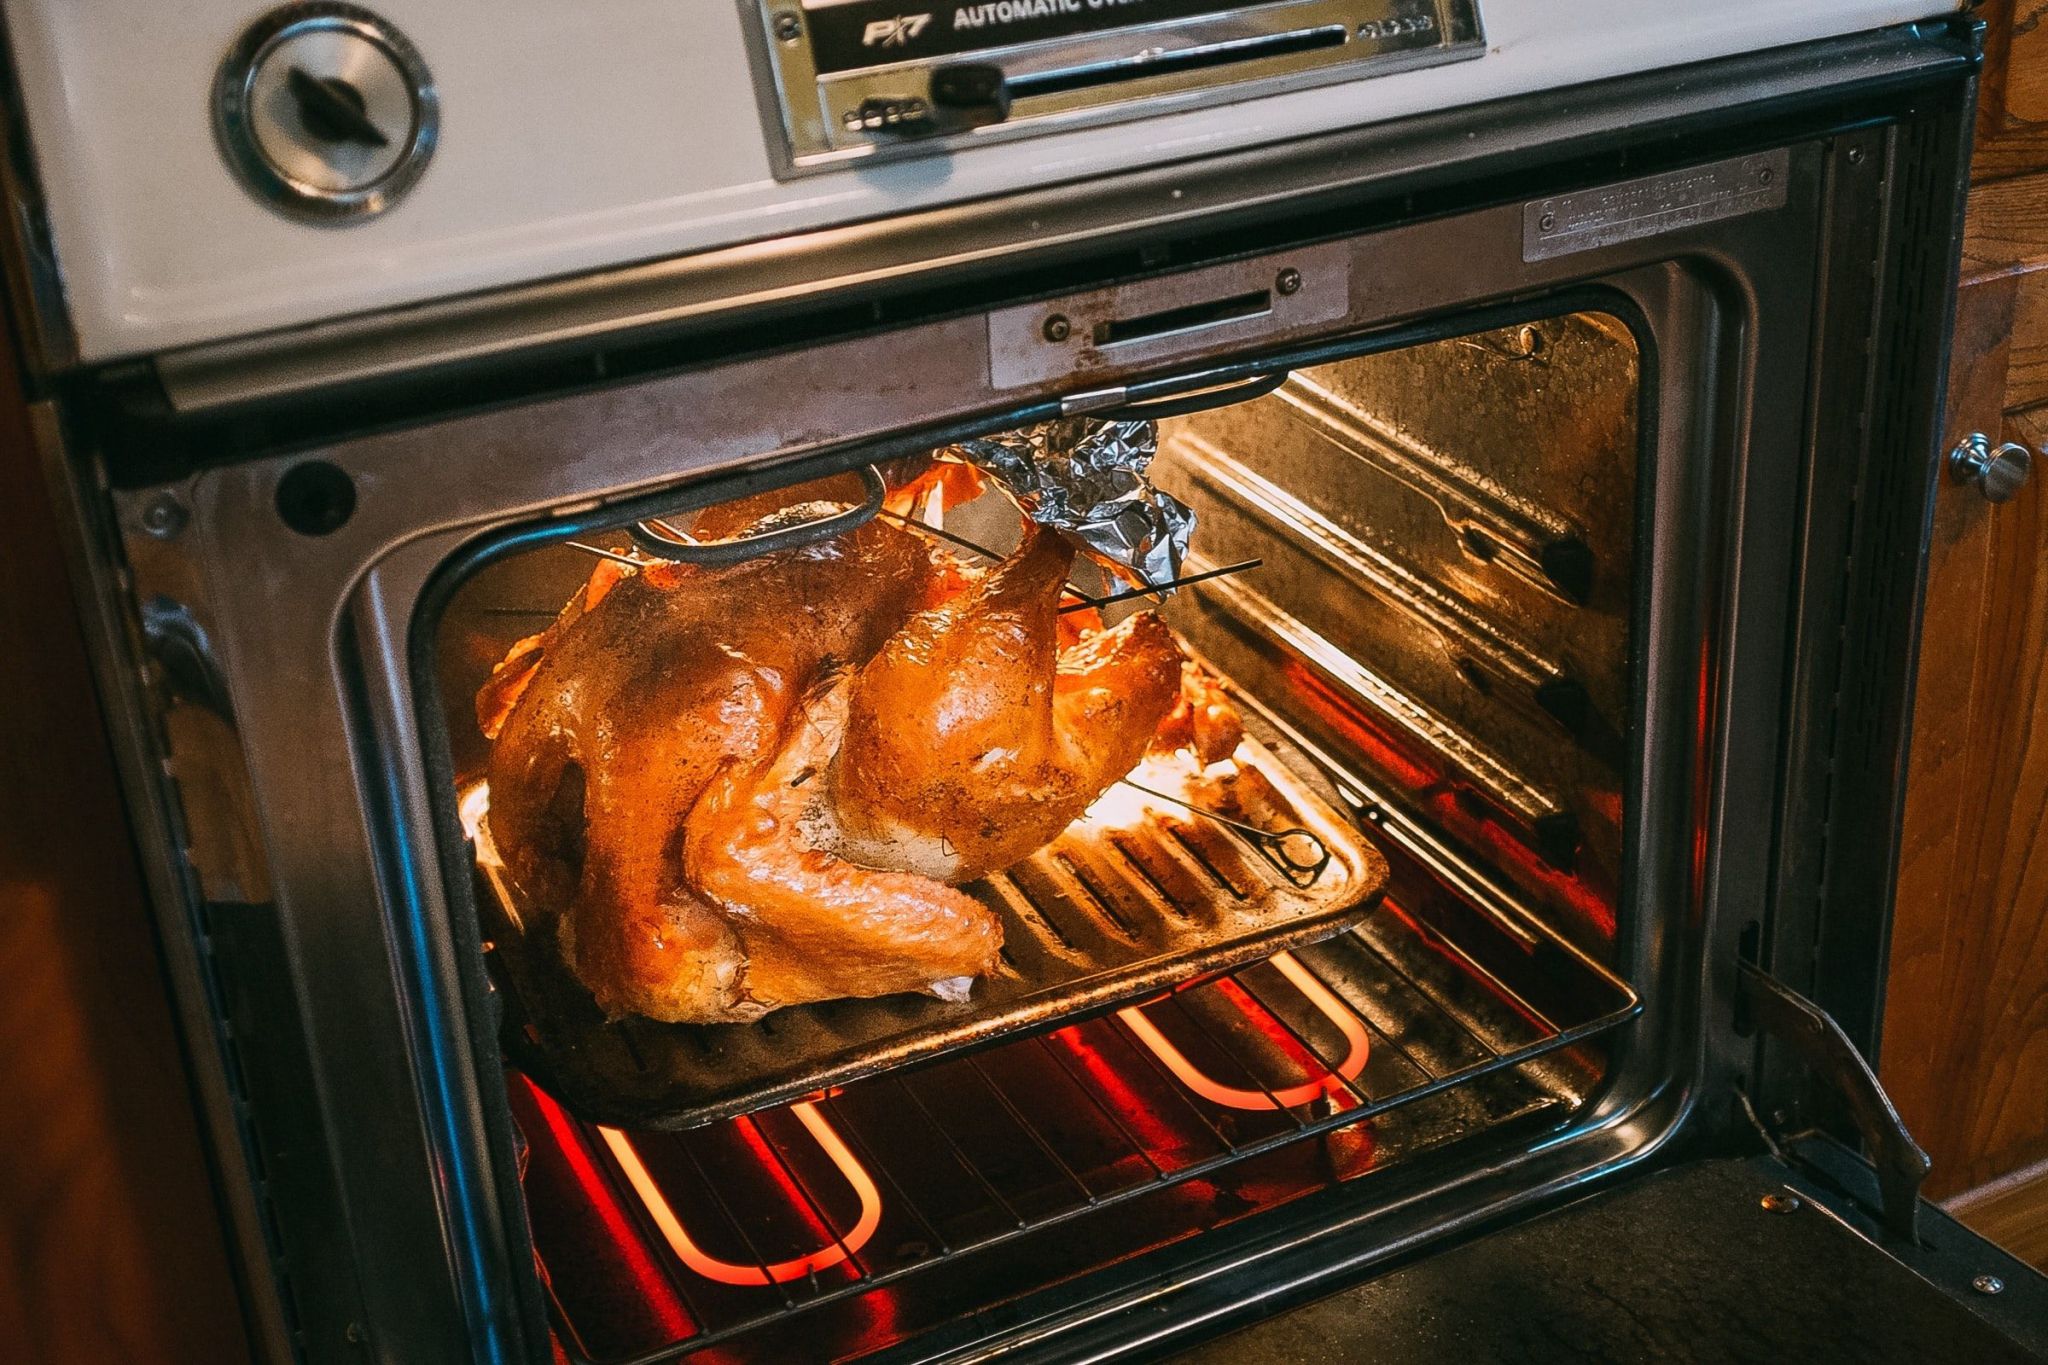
1818, 1041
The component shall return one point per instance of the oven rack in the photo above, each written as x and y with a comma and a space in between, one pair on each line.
1436, 1021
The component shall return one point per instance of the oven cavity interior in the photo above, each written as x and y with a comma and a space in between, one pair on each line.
880, 884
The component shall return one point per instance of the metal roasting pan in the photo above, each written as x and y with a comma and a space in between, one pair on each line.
1107, 914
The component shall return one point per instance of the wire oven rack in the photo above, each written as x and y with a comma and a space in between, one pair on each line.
899, 1174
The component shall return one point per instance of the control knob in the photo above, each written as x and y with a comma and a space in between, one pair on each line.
325, 111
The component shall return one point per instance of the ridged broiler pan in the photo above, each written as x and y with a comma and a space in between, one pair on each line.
1138, 896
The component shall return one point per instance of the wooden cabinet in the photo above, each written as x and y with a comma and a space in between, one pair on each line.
1966, 1026
2012, 97
111, 1246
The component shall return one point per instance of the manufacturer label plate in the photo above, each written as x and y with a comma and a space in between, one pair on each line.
849, 34
1568, 223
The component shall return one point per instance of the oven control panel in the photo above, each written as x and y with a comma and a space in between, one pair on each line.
893, 78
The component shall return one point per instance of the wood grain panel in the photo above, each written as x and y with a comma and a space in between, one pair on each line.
2012, 1212
2006, 233
110, 1241
1915, 1030
1969, 995
2012, 92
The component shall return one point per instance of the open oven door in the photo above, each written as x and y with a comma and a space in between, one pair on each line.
1734, 1259
1802, 1250
1805, 1252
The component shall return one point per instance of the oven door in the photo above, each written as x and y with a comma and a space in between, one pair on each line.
1732, 1259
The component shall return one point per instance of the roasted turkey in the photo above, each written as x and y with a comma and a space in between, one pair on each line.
973, 740
744, 788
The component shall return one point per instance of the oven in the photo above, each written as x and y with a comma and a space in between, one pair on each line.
1559, 461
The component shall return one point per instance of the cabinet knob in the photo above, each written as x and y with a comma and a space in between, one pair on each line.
1997, 472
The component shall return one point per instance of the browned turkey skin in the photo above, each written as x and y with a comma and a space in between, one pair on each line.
973, 739
752, 787
628, 717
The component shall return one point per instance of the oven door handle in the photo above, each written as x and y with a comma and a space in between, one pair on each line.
1200, 400
665, 541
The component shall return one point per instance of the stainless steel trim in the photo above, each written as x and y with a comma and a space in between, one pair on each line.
1188, 312
1258, 50
1564, 224
1047, 224
97, 580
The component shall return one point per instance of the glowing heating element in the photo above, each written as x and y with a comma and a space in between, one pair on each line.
1233, 1097
726, 1272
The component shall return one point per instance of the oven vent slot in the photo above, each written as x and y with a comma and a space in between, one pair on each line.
1187, 318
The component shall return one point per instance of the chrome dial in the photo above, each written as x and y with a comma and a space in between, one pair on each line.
325, 111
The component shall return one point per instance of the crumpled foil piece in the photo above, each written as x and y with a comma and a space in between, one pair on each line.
1086, 477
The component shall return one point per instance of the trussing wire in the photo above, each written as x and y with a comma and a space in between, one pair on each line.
1275, 840
1085, 600
950, 537
613, 555
1146, 591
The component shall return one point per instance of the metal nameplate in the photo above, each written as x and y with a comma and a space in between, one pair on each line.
847, 35
1568, 223
855, 78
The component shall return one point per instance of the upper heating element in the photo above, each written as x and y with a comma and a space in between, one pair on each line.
577, 137
881, 77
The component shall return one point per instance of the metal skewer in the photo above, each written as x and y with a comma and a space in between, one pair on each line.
612, 555
913, 524
1273, 841
1180, 582
1085, 601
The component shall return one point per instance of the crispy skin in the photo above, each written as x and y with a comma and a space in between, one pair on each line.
1203, 719
631, 712
507, 683
972, 741
815, 926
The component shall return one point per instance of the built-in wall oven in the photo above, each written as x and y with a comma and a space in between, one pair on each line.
1489, 953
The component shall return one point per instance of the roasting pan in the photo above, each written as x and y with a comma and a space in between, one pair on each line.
1139, 896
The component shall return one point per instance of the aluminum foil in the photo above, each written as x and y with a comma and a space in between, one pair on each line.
1086, 477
